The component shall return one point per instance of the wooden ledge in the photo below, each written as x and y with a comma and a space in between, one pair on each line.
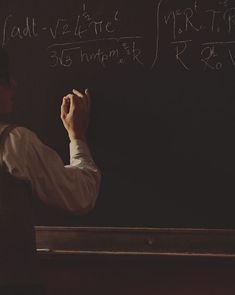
135, 241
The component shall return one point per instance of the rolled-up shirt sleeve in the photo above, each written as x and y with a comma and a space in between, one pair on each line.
73, 187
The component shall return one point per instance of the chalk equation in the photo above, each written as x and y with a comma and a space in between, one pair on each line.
205, 31
196, 34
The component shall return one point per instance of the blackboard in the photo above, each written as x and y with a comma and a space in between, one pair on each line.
162, 78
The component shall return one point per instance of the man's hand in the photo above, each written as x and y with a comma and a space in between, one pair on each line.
75, 110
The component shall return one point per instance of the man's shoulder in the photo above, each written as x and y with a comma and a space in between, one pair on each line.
17, 132
22, 130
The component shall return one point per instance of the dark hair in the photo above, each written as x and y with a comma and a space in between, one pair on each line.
4, 63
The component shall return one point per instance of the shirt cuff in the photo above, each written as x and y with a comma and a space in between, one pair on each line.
78, 148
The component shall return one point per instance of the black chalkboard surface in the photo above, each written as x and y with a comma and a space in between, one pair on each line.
162, 78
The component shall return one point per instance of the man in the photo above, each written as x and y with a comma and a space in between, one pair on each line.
24, 160
73, 187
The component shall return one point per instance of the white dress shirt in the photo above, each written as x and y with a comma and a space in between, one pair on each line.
73, 187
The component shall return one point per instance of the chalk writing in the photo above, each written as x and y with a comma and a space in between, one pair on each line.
71, 37
215, 23
199, 34
125, 50
15, 31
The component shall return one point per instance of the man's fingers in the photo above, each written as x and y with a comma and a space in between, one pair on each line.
74, 100
64, 106
84, 97
81, 98
78, 93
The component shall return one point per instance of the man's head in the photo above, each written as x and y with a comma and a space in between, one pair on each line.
7, 92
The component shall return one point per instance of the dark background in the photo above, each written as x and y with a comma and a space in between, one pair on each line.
162, 136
